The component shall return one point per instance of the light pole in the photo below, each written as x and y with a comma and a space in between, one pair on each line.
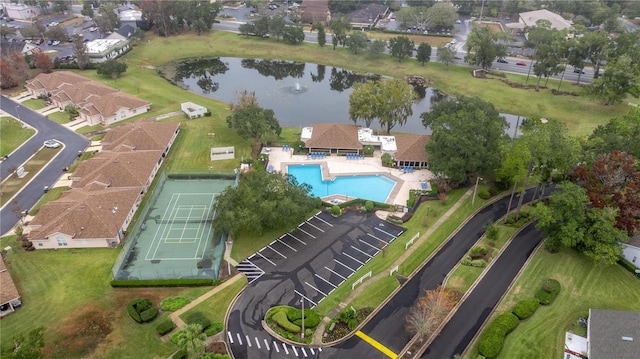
302, 301
475, 189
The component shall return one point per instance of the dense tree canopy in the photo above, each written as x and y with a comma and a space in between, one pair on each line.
171, 17
389, 100
467, 137
424, 53
619, 134
484, 48
262, 201
254, 122
112, 68
401, 47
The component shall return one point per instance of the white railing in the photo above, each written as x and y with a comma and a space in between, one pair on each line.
359, 281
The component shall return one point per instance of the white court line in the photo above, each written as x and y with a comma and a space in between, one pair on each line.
317, 290
269, 246
344, 265
248, 340
387, 233
267, 259
370, 245
266, 344
294, 237
371, 235
311, 224
352, 258
361, 251
307, 233
275, 346
239, 339
285, 348
203, 239
230, 337
331, 284
257, 342
316, 216
336, 273
293, 249
164, 229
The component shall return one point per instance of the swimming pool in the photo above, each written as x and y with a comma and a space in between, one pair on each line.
375, 188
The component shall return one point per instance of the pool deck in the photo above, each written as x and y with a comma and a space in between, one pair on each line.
340, 166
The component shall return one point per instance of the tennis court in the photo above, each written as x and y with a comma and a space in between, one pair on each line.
176, 238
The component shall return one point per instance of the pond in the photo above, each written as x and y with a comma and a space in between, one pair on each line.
300, 94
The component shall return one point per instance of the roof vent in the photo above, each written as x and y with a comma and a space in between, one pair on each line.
627, 339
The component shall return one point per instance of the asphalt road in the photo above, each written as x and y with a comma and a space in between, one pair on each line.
46, 129
463, 325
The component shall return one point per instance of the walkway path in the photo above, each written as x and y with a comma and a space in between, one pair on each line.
317, 339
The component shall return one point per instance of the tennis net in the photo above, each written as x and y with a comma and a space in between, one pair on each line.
184, 221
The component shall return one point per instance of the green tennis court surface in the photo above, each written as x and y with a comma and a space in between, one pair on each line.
176, 238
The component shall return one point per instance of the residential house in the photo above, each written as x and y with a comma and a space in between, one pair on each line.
610, 334
9, 296
24, 48
411, 151
367, 15
528, 20
192, 110
143, 135
19, 10
123, 33
44, 84
77, 94
110, 108
101, 50
315, 11
631, 250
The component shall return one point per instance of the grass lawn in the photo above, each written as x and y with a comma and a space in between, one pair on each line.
211, 307
584, 285
68, 293
59, 117
12, 135
13, 184
34, 104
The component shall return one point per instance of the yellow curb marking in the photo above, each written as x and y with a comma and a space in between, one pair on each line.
386, 351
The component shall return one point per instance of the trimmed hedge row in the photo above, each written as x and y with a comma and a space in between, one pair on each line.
311, 318
627, 265
548, 292
142, 310
165, 327
198, 318
525, 308
214, 328
187, 282
508, 321
172, 304
491, 341
281, 319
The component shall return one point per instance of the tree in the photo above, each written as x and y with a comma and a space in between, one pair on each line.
340, 27
57, 33
254, 122
13, 69
357, 42
446, 55
388, 100
619, 134
88, 6
376, 48
430, 311
612, 180
401, 47
483, 47
112, 67
192, 337
33, 31
262, 201
293, 34
261, 26
442, 15
200, 15
424, 53
595, 43
277, 27
548, 60
44, 62
467, 137
414, 16
80, 52
29, 347
6, 31
107, 19
621, 77
322, 33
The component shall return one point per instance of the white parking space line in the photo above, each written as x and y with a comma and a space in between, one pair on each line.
317, 290
324, 221
285, 348
239, 339
319, 349
311, 224
248, 340
363, 252
294, 350
282, 255
303, 296
257, 342
344, 265
294, 237
267, 259
293, 249
275, 346
352, 258
230, 337
371, 235
307, 233
331, 284
266, 344
304, 352
312, 352
370, 245
387, 233
336, 273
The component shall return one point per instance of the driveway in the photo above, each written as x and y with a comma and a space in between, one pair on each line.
33, 191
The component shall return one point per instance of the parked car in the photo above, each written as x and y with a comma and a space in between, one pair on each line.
38, 41
521, 63
70, 39
50, 42
458, 22
51, 144
56, 43
578, 71
502, 61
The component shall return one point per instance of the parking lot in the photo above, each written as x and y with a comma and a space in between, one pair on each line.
321, 253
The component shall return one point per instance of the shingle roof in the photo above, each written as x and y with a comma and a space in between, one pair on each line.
608, 330
334, 135
314, 10
126, 31
557, 22
367, 13
109, 104
116, 169
411, 147
88, 212
80, 92
54, 80
8, 290
139, 135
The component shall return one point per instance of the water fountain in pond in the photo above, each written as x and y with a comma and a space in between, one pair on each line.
297, 88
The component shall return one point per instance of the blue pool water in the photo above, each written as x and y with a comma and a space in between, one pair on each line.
375, 188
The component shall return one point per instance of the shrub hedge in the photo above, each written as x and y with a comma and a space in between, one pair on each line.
141, 310
491, 341
508, 321
149, 314
214, 328
627, 265
165, 283
525, 308
311, 318
198, 318
133, 313
548, 292
281, 319
180, 354
172, 304
165, 327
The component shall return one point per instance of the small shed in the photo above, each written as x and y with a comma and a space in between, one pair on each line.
192, 110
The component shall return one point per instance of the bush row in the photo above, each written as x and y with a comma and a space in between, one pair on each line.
311, 318
198, 318
142, 310
548, 292
165, 327
186, 282
214, 328
525, 308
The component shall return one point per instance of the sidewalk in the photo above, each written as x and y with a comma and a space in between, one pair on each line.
319, 332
